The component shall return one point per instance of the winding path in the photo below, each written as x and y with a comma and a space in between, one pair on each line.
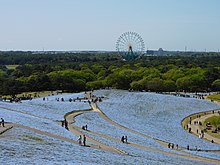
78, 131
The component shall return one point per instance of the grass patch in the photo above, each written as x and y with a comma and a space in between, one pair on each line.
214, 120
46, 93
11, 66
214, 97
32, 94
34, 138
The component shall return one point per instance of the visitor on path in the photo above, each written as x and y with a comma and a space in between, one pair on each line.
84, 127
169, 145
80, 139
187, 147
123, 139
190, 129
2, 122
84, 140
177, 146
62, 123
126, 139
172, 145
66, 124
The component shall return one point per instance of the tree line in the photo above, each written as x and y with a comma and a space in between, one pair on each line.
39, 72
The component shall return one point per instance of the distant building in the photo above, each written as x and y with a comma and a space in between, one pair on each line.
160, 52
150, 52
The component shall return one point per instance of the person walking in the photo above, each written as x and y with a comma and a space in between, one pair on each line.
66, 124
84, 140
3, 122
123, 139
80, 139
62, 123
126, 139
172, 145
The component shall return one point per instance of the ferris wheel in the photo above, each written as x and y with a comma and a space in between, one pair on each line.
130, 45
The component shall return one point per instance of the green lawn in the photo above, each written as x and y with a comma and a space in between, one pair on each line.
41, 94
34, 138
214, 97
12, 66
215, 122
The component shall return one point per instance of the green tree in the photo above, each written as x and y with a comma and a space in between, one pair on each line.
98, 84
169, 85
136, 85
155, 84
183, 83
173, 74
216, 85
96, 68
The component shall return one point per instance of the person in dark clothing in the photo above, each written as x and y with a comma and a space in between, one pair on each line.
80, 140
84, 140
66, 124
123, 139
172, 145
3, 122
190, 129
126, 139
62, 123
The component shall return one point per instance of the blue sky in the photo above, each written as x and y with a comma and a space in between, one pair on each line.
97, 24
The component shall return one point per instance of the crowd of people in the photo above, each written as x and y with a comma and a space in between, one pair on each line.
200, 132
